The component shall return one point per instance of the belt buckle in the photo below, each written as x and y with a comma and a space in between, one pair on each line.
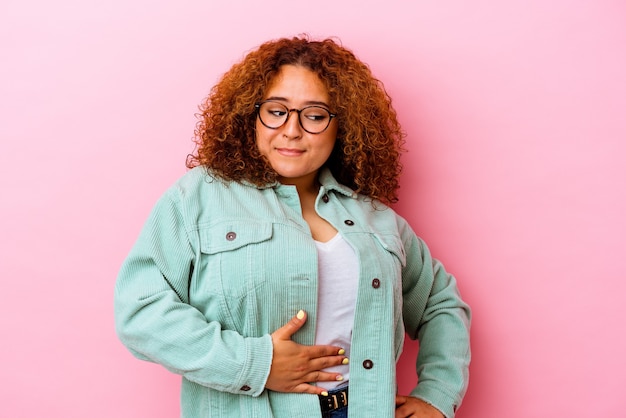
334, 401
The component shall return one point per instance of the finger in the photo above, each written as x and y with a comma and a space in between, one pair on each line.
403, 412
306, 388
328, 361
400, 400
323, 377
319, 351
295, 323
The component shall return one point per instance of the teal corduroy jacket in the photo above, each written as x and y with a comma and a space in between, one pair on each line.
218, 267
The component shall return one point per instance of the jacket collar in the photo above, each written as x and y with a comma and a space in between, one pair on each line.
326, 179
329, 183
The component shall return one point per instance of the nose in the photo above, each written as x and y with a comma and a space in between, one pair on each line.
292, 128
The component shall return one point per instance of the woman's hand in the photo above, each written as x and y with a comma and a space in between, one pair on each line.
295, 366
408, 406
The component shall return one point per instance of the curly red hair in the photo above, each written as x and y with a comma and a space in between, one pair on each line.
369, 142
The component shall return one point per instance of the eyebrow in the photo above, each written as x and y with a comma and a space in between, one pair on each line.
307, 103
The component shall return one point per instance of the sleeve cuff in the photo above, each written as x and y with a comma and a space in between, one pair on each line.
443, 402
256, 368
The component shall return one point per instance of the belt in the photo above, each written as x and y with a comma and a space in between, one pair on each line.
334, 400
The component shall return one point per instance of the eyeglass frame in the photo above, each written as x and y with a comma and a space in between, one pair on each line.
257, 107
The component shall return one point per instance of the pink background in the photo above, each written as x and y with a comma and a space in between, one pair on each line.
515, 116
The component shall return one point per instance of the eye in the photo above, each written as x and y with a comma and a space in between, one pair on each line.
274, 110
315, 114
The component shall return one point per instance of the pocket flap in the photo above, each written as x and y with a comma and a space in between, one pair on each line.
231, 235
393, 244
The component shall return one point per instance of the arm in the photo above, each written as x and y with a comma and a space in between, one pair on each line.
435, 314
156, 322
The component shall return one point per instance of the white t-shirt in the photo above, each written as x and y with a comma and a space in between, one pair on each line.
338, 275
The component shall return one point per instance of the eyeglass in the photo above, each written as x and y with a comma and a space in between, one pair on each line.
313, 119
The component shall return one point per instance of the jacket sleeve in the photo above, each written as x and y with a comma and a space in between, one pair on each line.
435, 314
155, 321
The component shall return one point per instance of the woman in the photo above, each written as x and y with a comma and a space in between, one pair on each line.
272, 276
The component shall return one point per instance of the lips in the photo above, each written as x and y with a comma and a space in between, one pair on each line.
289, 152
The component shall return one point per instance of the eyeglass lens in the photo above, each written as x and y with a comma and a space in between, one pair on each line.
313, 119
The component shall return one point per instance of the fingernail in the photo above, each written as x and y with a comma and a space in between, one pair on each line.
345, 361
340, 377
324, 393
341, 352
300, 314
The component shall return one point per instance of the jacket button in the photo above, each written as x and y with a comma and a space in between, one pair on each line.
231, 236
348, 222
375, 283
368, 364
245, 388
325, 198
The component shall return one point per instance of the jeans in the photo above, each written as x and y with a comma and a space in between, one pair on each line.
337, 413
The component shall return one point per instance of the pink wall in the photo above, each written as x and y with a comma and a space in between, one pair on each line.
515, 176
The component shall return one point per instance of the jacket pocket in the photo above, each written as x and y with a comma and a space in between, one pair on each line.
233, 253
393, 244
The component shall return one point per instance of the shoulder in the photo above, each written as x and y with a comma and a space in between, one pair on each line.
196, 178
377, 212
202, 197
384, 220
198, 183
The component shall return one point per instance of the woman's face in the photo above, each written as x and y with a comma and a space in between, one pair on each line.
295, 154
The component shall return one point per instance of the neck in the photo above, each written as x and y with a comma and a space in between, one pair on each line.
308, 185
